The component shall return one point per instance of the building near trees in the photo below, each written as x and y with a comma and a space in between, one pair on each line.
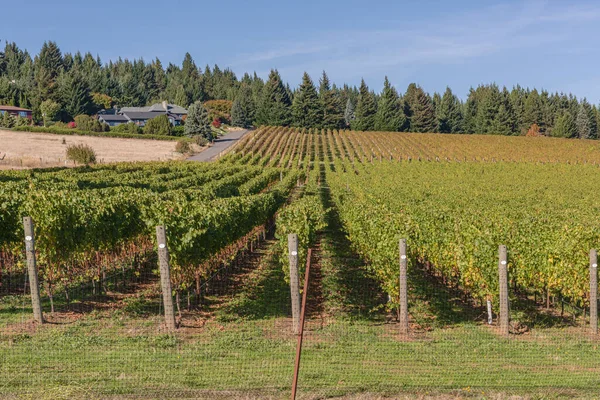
141, 115
16, 111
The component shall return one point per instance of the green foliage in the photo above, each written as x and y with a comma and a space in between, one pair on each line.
7, 120
158, 126
49, 110
274, 107
364, 114
81, 153
306, 108
418, 108
91, 124
64, 131
198, 122
449, 113
565, 126
129, 127
74, 94
331, 106
389, 116
244, 108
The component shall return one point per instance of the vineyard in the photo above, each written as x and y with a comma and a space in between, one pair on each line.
350, 196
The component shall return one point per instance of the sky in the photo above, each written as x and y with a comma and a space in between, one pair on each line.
462, 43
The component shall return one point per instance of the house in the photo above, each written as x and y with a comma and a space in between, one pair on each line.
16, 111
141, 115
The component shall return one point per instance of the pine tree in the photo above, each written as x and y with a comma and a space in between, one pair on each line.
74, 94
365, 109
564, 126
389, 116
449, 113
487, 110
51, 59
198, 122
306, 107
423, 115
532, 111
349, 114
243, 109
503, 122
333, 117
181, 97
275, 105
582, 123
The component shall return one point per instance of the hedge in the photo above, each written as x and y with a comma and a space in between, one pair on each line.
62, 131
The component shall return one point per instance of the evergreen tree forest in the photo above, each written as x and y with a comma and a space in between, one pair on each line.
64, 85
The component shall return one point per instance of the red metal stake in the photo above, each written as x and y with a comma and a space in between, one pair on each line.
301, 333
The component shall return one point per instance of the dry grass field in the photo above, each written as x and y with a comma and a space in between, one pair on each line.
32, 150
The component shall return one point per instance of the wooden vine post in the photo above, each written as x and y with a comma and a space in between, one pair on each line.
32, 270
403, 288
594, 291
294, 284
503, 286
165, 277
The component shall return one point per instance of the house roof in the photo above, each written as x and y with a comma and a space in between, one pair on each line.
172, 108
157, 107
13, 108
142, 115
113, 118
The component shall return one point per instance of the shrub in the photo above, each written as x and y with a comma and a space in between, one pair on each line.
91, 124
216, 123
81, 153
7, 120
129, 127
158, 126
201, 140
178, 130
183, 147
72, 125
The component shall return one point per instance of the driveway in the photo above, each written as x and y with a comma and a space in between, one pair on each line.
219, 145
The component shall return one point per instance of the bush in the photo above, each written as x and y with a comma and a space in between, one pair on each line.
183, 147
57, 130
81, 153
216, 123
201, 140
129, 127
7, 120
91, 124
178, 131
158, 126
72, 125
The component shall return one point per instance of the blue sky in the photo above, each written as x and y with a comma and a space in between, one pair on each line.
544, 44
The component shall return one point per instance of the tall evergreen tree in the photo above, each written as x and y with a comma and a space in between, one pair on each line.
564, 126
306, 107
74, 94
333, 116
449, 113
532, 111
365, 109
198, 122
389, 115
275, 105
243, 109
51, 59
487, 110
422, 113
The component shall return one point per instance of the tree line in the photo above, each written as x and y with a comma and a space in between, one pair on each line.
67, 85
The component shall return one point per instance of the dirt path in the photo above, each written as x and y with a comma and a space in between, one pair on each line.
28, 150
219, 145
